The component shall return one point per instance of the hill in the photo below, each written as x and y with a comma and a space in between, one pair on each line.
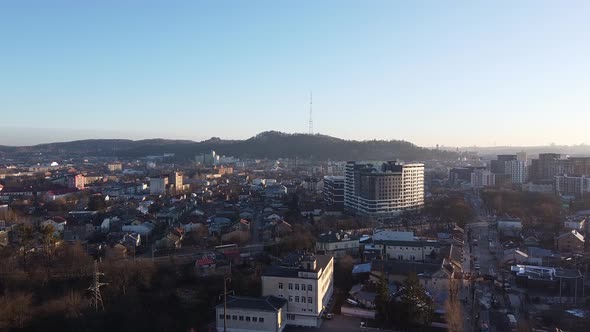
269, 144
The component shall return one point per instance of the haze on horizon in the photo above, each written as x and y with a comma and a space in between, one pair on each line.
454, 74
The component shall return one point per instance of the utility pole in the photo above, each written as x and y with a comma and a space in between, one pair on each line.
225, 292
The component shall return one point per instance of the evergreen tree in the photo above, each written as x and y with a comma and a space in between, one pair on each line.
382, 300
417, 302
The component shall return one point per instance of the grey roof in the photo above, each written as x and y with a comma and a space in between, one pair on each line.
403, 267
290, 267
265, 303
332, 237
417, 243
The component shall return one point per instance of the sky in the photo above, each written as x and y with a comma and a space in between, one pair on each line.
454, 73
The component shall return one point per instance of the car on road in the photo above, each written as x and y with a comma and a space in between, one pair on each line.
329, 316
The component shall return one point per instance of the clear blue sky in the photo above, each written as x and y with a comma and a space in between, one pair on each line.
430, 72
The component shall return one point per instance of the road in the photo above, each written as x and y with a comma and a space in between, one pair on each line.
479, 252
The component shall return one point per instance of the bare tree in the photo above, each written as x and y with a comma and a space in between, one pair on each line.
453, 311
16, 310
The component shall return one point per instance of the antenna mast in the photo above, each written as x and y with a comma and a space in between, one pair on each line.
310, 113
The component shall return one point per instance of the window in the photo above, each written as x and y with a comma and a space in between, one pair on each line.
309, 288
302, 287
290, 298
296, 286
254, 319
303, 299
280, 285
247, 318
297, 299
290, 316
221, 316
309, 300
234, 317
290, 286
261, 319
241, 317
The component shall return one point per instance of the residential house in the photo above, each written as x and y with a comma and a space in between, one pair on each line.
575, 223
509, 227
571, 241
338, 244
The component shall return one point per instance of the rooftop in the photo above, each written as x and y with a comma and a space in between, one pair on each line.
265, 303
292, 265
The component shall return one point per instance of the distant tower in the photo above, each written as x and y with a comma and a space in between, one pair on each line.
310, 113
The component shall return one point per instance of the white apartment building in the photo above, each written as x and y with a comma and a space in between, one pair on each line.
517, 170
578, 186
482, 178
383, 192
246, 314
306, 282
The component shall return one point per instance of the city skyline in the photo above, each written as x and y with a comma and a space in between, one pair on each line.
454, 75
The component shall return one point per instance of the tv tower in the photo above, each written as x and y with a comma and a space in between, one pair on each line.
310, 113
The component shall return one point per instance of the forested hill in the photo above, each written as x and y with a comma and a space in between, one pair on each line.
269, 144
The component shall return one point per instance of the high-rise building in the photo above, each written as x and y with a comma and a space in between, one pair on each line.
576, 166
545, 168
483, 178
334, 192
462, 174
522, 156
383, 192
516, 170
498, 166
572, 185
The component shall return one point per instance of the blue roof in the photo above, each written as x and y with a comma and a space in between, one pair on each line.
361, 268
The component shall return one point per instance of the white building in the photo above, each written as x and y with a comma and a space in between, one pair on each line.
517, 171
306, 282
482, 178
158, 185
245, 314
338, 244
383, 192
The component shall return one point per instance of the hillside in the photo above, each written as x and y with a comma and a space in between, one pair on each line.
270, 144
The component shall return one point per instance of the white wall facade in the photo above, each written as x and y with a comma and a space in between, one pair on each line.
298, 291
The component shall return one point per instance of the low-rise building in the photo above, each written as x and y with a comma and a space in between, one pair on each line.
338, 244
306, 282
571, 241
242, 314
510, 227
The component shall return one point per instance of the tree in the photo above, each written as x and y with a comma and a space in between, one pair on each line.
416, 301
453, 314
96, 203
382, 300
16, 310
25, 235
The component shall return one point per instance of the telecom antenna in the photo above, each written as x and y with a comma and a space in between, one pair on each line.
95, 287
310, 113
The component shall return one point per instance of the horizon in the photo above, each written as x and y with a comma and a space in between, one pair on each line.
508, 74
449, 147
